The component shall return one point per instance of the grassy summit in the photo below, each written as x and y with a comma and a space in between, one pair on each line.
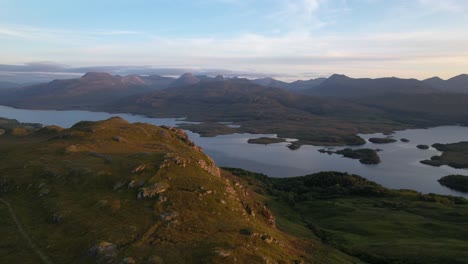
111, 192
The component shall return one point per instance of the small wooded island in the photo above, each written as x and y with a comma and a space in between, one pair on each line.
455, 182
265, 140
365, 156
382, 140
454, 155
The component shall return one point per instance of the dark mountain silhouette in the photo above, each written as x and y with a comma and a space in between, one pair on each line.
294, 86
94, 88
303, 85
270, 82
423, 109
343, 86
435, 82
237, 97
457, 84
158, 82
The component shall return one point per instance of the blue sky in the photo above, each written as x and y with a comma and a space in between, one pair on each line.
295, 38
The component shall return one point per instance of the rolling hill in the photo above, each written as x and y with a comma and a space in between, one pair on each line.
457, 84
93, 88
346, 87
293, 86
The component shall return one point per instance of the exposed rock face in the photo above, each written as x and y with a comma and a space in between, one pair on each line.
72, 149
104, 251
169, 216
152, 191
139, 169
183, 136
171, 160
210, 167
2, 131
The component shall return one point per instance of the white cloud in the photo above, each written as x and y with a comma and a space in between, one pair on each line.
297, 16
443, 5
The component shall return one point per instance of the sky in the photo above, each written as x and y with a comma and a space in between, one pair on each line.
293, 39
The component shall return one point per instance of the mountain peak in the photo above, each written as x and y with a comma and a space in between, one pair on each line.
459, 77
339, 77
435, 78
96, 75
185, 79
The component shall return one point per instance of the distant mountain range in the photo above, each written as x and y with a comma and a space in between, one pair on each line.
92, 89
457, 84
335, 86
293, 86
336, 108
344, 86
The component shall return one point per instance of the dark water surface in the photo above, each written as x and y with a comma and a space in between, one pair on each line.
400, 167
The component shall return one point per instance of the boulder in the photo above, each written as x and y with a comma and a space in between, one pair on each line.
152, 191
104, 251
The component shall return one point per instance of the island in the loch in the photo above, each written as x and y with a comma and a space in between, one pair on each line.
382, 140
423, 147
454, 155
455, 182
265, 140
365, 156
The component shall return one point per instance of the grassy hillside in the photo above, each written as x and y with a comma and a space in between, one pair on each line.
114, 192
366, 220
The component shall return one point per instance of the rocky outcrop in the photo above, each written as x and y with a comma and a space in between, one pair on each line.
173, 160
210, 167
169, 216
139, 169
152, 191
183, 137
105, 252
